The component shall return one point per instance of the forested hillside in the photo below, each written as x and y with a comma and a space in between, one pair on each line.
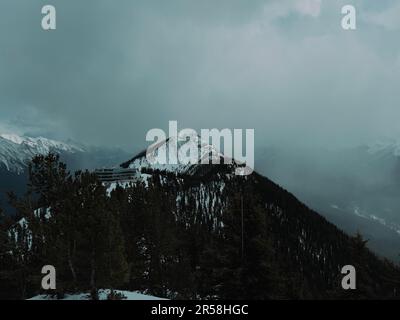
208, 235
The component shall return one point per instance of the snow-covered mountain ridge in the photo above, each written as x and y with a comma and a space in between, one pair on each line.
168, 154
16, 151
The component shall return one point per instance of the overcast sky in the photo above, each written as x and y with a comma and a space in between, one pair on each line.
115, 69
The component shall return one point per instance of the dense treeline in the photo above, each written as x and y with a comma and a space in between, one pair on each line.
204, 236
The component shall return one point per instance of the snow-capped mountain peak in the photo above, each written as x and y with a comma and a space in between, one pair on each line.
16, 150
13, 138
171, 152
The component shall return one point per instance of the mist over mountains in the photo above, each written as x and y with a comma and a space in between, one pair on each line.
356, 188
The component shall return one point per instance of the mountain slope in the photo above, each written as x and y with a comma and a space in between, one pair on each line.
355, 188
307, 250
305, 247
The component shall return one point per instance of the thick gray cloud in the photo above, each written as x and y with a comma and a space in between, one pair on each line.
115, 69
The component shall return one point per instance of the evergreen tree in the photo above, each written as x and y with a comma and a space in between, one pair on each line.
101, 245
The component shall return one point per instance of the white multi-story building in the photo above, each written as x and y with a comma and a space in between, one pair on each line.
116, 175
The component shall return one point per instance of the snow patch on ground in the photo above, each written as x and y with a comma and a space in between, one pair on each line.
130, 295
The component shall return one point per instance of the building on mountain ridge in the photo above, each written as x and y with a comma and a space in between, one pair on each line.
108, 175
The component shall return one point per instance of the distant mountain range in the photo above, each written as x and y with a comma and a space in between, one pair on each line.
16, 151
355, 188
